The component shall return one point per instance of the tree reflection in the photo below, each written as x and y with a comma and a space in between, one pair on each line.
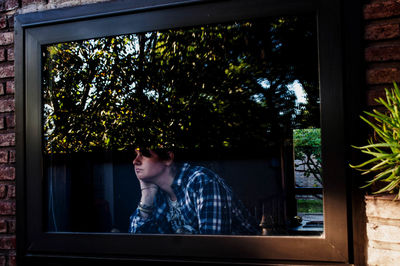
220, 87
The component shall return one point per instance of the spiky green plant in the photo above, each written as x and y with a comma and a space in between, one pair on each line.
385, 146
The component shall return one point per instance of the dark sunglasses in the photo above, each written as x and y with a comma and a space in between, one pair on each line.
144, 152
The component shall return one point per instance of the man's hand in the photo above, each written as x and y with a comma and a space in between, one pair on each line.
147, 185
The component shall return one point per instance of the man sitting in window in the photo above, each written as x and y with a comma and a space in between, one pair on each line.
180, 198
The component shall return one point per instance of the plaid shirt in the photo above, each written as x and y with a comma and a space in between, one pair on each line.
207, 206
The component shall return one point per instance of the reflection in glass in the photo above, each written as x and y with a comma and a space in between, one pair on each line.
308, 179
225, 96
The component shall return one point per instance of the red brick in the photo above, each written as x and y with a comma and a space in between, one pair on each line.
7, 242
10, 54
12, 156
7, 71
11, 191
6, 38
2, 260
3, 191
7, 208
11, 226
10, 22
12, 261
10, 121
383, 9
2, 123
7, 173
3, 226
3, 22
382, 32
28, 2
3, 156
382, 53
2, 55
7, 105
10, 87
383, 75
7, 139
11, 4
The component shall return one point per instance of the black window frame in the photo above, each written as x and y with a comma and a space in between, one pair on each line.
118, 17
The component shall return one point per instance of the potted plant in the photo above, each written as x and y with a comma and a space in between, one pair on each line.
383, 168
384, 147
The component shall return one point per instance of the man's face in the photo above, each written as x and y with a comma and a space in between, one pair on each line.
148, 166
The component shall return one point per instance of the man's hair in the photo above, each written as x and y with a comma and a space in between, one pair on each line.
163, 154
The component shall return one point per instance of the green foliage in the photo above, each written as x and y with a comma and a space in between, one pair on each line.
310, 205
307, 142
307, 149
384, 148
194, 88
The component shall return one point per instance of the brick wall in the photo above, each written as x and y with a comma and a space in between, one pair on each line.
382, 51
7, 134
382, 57
27, 6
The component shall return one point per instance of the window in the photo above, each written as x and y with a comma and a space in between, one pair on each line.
222, 96
233, 66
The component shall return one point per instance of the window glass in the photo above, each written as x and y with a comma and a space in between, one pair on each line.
239, 99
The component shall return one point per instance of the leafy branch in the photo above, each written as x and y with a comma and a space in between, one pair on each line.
307, 149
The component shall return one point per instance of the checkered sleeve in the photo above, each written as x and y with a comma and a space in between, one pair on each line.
150, 225
156, 223
212, 205
136, 223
